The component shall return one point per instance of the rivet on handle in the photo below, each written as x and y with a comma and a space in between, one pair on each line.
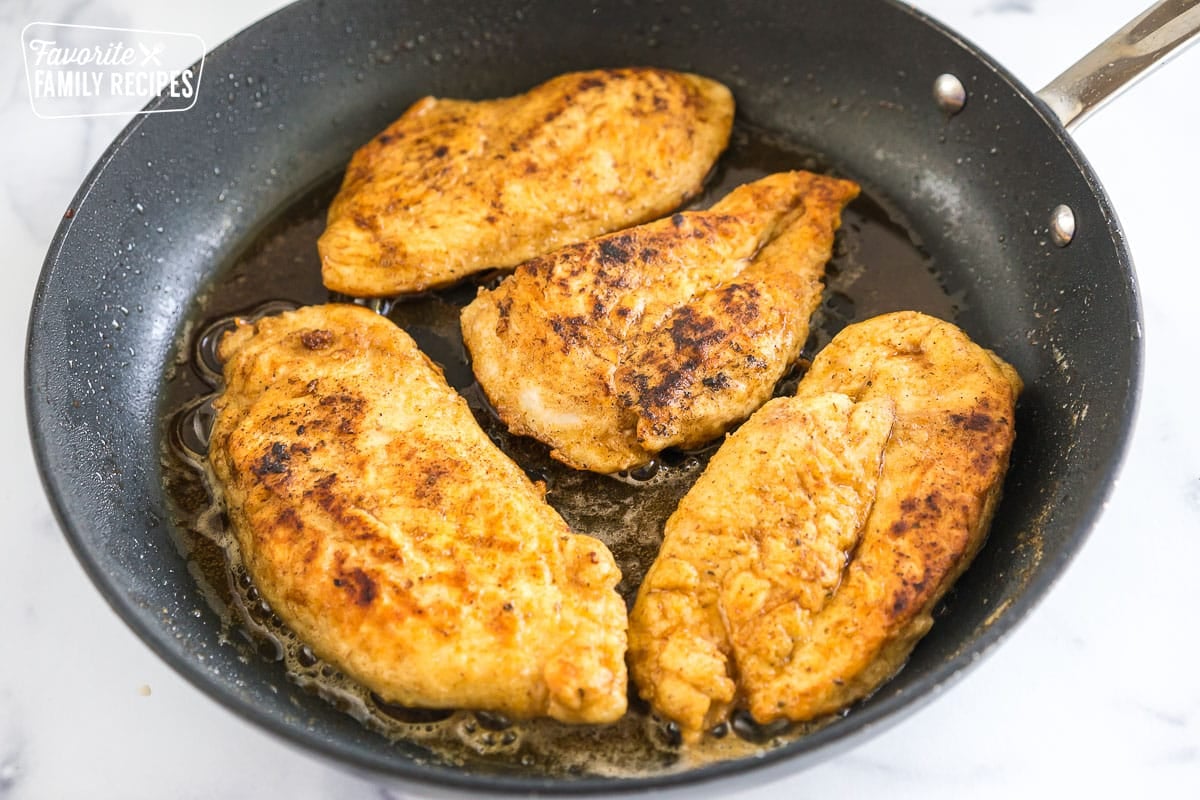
949, 93
1062, 225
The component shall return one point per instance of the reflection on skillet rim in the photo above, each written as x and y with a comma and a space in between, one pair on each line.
91, 386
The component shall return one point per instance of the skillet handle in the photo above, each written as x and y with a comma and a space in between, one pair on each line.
1128, 55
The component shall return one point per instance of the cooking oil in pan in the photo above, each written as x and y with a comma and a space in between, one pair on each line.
878, 266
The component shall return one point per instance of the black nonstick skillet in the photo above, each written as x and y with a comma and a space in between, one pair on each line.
977, 207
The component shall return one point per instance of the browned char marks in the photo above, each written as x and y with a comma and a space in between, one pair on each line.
316, 340
662, 335
358, 585
855, 613
455, 187
386, 530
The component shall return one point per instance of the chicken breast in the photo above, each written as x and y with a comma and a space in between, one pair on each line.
662, 335
454, 187
385, 528
803, 473
859, 502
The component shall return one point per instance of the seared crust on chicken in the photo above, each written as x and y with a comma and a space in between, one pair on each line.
737, 611
764, 531
385, 528
662, 335
454, 187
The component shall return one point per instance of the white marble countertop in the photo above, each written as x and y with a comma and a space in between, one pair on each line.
1096, 694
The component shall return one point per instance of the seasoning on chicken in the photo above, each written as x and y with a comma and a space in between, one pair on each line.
663, 335
454, 187
385, 528
858, 503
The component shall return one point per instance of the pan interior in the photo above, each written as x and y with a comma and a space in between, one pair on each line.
281, 269
230, 196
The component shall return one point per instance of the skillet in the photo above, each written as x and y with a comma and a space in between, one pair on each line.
975, 190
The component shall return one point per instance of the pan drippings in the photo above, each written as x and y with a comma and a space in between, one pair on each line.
878, 266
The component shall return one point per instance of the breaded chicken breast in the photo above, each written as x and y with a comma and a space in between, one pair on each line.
390, 534
804, 565
454, 187
662, 335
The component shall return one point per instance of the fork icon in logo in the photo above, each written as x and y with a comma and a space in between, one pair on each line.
152, 54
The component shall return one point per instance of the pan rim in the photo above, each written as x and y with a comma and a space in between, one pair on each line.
773, 764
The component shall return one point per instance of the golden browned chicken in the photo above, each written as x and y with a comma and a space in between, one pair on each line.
858, 502
385, 528
454, 187
661, 335
768, 524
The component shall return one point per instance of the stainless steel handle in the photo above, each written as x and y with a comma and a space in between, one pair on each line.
1128, 55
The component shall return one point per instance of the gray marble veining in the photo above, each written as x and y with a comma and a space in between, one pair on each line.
1006, 7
